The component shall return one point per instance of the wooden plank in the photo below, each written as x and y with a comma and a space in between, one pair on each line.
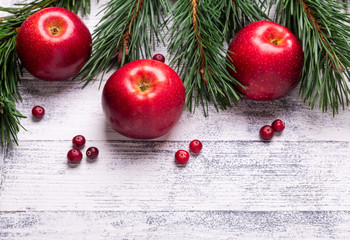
175, 225
295, 187
142, 175
2, 165
71, 110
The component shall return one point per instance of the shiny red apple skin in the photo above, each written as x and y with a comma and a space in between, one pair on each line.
53, 44
269, 71
143, 112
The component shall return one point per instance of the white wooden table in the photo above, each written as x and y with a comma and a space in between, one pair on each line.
295, 187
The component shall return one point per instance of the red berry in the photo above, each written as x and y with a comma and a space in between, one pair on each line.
38, 111
74, 155
78, 141
182, 156
278, 125
196, 146
159, 57
266, 132
92, 152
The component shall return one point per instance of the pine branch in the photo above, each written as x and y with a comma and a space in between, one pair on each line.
128, 30
9, 63
197, 53
9, 121
239, 13
77, 6
26, 9
9, 116
324, 31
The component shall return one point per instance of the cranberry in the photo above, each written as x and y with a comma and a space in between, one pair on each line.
196, 146
78, 141
38, 111
278, 125
92, 152
159, 57
266, 132
74, 156
182, 156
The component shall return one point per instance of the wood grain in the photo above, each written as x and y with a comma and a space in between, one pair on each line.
142, 175
71, 110
295, 187
127, 225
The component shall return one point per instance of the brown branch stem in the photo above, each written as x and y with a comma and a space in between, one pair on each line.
128, 33
319, 28
198, 38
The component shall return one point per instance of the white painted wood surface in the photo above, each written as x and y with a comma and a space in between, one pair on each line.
295, 187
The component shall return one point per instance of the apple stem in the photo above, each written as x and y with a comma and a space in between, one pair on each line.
54, 30
144, 86
274, 41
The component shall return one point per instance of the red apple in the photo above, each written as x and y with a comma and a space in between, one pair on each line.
268, 60
144, 99
53, 44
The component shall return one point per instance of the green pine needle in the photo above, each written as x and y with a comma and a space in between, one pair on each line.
9, 121
323, 28
128, 30
239, 13
198, 31
82, 7
9, 63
